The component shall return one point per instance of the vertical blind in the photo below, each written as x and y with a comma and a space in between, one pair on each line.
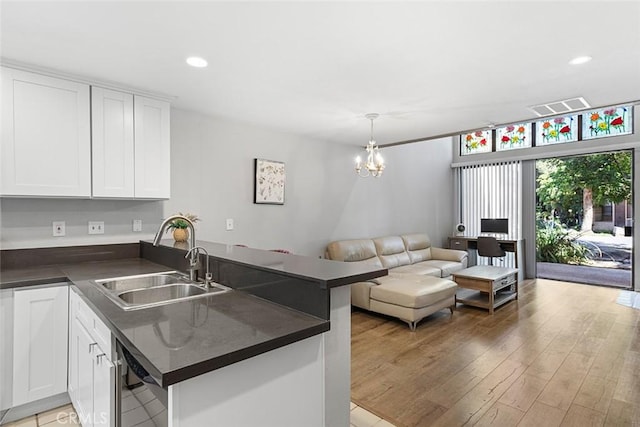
491, 191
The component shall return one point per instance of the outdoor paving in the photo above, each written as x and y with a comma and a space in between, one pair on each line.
618, 278
610, 267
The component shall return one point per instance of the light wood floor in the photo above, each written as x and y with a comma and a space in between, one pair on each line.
562, 354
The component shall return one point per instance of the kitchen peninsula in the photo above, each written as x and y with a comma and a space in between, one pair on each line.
282, 335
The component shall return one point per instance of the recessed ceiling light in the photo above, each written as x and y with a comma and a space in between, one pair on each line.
580, 60
196, 61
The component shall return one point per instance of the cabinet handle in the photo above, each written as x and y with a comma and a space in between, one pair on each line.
99, 357
91, 346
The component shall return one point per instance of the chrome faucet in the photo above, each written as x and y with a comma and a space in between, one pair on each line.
193, 260
208, 278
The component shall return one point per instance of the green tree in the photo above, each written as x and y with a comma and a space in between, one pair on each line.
575, 184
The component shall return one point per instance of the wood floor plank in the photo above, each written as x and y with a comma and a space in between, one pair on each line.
546, 365
523, 392
622, 414
628, 387
562, 352
578, 416
542, 415
473, 405
501, 415
596, 393
609, 360
563, 387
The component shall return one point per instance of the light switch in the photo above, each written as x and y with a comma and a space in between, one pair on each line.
229, 224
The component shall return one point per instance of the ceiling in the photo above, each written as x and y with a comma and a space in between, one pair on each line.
316, 68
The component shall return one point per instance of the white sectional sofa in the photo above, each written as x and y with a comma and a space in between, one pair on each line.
418, 282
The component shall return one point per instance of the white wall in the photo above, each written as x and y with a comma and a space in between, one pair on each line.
212, 176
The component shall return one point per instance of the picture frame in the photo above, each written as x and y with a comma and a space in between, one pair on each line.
269, 182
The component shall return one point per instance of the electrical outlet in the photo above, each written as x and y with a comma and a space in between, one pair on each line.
229, 224
58, 228
96, 227
137, 225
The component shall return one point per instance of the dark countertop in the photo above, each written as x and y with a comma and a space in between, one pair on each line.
178, 341
327, 273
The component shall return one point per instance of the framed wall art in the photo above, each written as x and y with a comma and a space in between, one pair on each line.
269, 182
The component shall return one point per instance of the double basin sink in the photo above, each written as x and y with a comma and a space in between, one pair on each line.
149, 290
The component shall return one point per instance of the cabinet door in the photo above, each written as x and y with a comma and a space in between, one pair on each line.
103, 386
72, 368
39, 343
6, 349
112, 143
46, 145
152, 148
84, 374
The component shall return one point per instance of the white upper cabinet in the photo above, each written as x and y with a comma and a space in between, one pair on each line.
152, 148
112, 143
58, 142
46, 145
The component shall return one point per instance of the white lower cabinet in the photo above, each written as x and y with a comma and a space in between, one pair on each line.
40, 331
91, 373
6, 349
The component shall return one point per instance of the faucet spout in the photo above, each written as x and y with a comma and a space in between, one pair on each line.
208, 278
193, 261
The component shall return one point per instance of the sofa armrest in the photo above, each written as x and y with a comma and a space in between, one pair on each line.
448, 254
361, 294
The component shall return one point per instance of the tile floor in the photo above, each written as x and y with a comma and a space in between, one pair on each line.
62, 416
360, 417
66, 416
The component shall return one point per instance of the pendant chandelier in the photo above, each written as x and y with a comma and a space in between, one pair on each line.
375, 163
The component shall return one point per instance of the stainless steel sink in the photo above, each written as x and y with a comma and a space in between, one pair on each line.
138, 282
148, 290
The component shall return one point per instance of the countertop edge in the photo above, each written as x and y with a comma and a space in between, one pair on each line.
33, 282
197, 369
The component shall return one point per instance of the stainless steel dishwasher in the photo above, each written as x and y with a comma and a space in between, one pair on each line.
139, 398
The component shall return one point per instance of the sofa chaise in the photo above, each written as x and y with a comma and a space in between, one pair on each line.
418, 283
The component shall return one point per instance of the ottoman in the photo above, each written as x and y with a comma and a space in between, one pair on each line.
411, 298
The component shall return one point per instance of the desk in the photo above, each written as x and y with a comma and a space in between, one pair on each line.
470, 244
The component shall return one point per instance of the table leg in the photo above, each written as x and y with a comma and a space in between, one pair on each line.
491, 298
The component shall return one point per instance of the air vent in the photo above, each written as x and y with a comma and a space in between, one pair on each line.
560, 107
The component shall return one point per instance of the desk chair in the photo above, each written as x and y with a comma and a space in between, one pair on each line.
489, 247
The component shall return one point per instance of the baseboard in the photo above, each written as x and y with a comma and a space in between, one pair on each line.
32, 408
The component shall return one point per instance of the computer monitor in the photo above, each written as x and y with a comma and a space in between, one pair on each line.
494, 225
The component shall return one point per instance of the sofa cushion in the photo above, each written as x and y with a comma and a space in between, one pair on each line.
420, 268
391, 251
361, 250
413, 291
450, 255
418, 246
447, 267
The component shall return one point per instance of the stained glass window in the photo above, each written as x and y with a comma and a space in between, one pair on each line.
612, 121
513, 136
476, 142
557, 130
